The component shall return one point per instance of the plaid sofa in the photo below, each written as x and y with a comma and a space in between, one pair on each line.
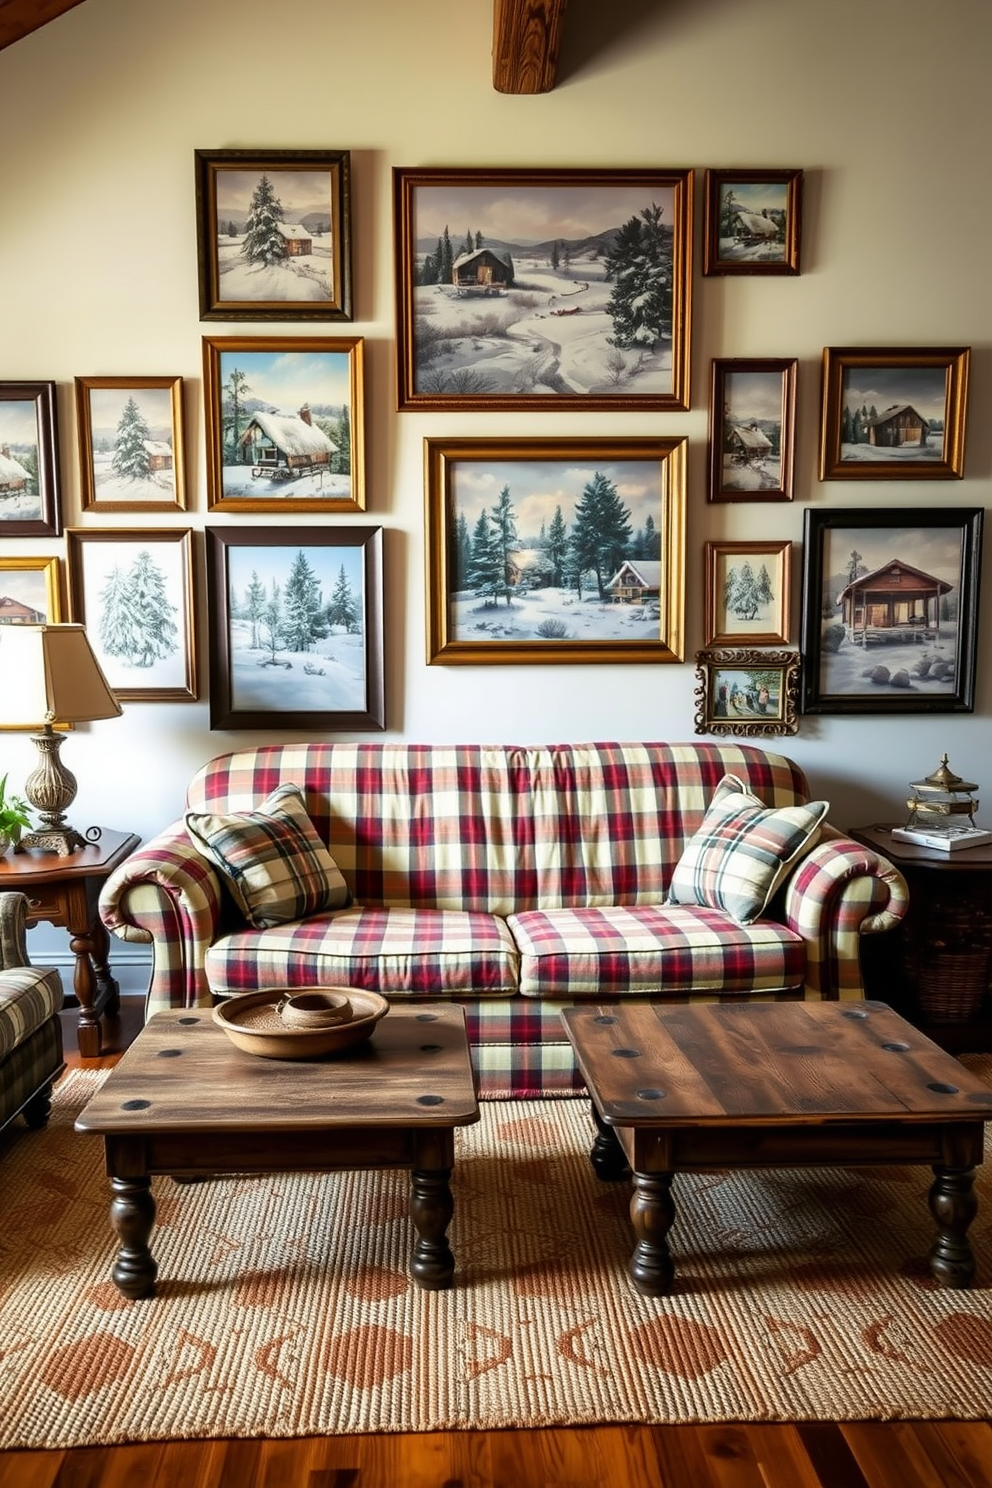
514, 880
30, 1030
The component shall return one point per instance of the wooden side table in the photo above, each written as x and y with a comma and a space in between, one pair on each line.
936, 967
65, 891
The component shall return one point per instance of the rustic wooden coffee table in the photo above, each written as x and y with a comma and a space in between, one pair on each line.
183, 1100
771, 1085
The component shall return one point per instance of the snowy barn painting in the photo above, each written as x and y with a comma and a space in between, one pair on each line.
752, 222
286, 446
14, 478
898, 414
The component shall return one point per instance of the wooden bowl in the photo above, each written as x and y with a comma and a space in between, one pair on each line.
253, 1024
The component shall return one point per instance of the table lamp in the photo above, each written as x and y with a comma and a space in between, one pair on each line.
49, 675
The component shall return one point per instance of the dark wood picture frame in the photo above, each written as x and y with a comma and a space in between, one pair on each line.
287, 467
747, 693
150, 656
882, 633
747, 592
752, 429
512, 605
248, 569
752, 221
30, 504
579, 340
163, 466
864, 436
303, 277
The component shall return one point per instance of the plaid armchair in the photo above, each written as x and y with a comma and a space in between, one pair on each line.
30, 1030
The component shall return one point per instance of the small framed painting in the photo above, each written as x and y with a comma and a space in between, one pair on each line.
285, 425
274, 234
570, 289
133, 590
749, 694
29, 461
555, 550
891, 414
747, 593
295, 628
752, 221
752, 430
131, 443
890, 609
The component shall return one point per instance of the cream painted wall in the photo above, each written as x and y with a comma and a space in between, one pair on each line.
884, 105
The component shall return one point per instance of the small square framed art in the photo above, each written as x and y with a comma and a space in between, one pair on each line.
752, 221
891, 414
747, 589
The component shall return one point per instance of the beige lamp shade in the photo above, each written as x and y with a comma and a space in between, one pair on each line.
48, 674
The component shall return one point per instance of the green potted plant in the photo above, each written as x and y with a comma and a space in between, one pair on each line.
13, 817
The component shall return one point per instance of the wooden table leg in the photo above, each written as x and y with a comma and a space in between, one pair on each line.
432, 1264
953, 1204
132, 1214
652, 1211
607, 1155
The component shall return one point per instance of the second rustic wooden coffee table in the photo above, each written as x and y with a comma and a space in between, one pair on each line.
772, 1085
183, 1100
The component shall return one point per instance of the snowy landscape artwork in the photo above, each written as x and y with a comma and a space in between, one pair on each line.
130, 437
753, 412
893, 415
556, 544
753, 219
521, 287
29, 466
284, 423
273, 232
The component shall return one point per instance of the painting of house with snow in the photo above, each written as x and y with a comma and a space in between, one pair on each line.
751, 429
131, 443
14, 479
29, 471
752, 222
894, 414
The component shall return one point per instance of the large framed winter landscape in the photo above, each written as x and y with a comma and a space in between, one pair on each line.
890, 609
893, 414
285, 423
133, 590
30, 504
295, 628
274, 234
529, 289
131, 455
752, 429
555, 550
752, 221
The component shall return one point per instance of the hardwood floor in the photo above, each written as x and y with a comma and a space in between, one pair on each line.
914, 1454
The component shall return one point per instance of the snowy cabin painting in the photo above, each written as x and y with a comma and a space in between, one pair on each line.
638, 581
895, 602
13, 476
296, 240
483, 271
15, 612
159, 454
898, 425
754, 227
747, 445
285, 445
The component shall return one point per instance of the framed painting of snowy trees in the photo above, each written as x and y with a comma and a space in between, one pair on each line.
555, 550
274, 234
745, 693
752, 429
133, 590
528, 289
747, 587
285, 423
892, 414
295, 628
752, 221
131, 455
30, 504
890, 609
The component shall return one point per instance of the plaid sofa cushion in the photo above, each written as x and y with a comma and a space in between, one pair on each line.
398, 952
652, 951
29, 998
272, 859
742, 851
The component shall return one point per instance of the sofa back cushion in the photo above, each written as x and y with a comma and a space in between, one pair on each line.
500, 828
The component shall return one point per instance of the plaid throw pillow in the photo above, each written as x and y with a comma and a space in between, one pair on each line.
743, 851
272, 859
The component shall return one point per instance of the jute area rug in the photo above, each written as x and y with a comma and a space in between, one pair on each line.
284, 1307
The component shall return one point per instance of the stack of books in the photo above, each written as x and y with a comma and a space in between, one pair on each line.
945, 838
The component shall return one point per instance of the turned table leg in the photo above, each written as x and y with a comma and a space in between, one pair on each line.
652, 1211
132, 1214
607, 1156
432, 1264
953, 1204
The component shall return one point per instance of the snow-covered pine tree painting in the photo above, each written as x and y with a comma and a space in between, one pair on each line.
137, 609
274, 238
131, 434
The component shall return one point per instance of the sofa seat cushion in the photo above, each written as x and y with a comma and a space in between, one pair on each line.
648, 950
29, 997
398, 952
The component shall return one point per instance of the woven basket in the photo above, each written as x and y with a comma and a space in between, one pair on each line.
950, 986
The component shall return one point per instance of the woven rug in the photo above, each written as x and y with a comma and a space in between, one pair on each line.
284, 1307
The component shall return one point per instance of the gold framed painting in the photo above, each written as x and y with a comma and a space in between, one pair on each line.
893, 414
747, 693
131, 452
747, 592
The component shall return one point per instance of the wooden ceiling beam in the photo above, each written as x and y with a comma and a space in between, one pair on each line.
526, 39
20, 17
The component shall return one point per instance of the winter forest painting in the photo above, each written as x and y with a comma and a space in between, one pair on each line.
20, 489
551, 290
131, 443
275, 235
296, 628
893, 414
556, 550
135, 593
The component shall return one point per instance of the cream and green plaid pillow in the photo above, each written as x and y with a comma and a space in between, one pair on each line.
743, 851
272, 859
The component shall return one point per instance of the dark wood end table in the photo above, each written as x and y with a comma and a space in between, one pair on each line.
65, 891
184, 1101
756, 1085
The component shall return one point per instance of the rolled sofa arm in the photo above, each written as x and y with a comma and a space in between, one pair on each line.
167, 894
838, 893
